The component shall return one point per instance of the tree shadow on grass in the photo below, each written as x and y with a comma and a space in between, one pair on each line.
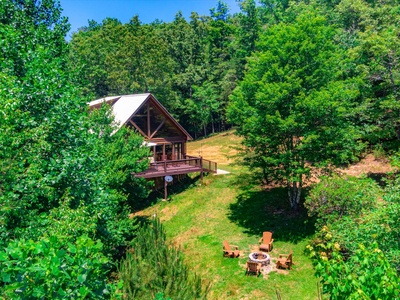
269, 210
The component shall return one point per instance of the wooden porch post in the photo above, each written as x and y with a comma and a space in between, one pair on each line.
163, 152
165, 189
201, 173
148, 119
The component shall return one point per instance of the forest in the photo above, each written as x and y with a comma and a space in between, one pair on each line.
308, 86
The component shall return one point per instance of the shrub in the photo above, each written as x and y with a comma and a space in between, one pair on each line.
356, 250
52, 269
365, 274
152, 268
378, 226
336, 197
381, 225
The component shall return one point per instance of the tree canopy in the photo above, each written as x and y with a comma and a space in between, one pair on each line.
62, 184
294, 104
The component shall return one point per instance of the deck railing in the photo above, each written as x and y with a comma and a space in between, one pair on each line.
207, 165
180, 166
165, 164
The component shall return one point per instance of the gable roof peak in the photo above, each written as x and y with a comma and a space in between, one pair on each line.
124, 107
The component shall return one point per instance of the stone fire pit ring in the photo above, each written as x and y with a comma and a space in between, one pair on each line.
260, 257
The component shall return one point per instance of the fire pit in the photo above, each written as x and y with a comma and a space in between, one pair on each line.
260, 257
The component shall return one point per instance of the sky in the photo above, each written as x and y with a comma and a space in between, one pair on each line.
80, 11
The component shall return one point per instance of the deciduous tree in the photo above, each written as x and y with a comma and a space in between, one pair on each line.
294, 105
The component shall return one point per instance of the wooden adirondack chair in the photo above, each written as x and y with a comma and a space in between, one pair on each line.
266, 241
227, 250
253, 268
285, 261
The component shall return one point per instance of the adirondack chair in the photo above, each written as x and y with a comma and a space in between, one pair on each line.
227, 250
266, 241
253, 268
285, 261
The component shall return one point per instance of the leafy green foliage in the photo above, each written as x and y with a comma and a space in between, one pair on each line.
52, 268
357, 212
379, 226
335, 197
160, 296
366, 274
65, 178
152, 267
171, 59
52, 151
43, 124
372, 32
248, 30
294, 104
356, 252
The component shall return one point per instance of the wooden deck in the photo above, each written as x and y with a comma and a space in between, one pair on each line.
176, 167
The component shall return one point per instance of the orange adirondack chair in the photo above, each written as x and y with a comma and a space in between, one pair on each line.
266, 241
285, 261
253, 268
227, 250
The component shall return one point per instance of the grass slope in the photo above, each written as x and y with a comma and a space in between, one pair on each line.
231, 207
220, 148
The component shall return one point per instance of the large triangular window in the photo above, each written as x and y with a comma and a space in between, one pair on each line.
168, 129
140, 119
160, 125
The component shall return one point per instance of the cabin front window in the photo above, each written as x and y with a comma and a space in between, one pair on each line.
140, 119
168, 151
159, 153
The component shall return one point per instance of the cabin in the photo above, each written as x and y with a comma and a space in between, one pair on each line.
166, 138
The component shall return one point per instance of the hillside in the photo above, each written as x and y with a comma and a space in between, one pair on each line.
221, 147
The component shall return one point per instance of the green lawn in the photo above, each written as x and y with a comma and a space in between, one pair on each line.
231, 207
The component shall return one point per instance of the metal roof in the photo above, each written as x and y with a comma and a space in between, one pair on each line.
124, 107
101, 100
